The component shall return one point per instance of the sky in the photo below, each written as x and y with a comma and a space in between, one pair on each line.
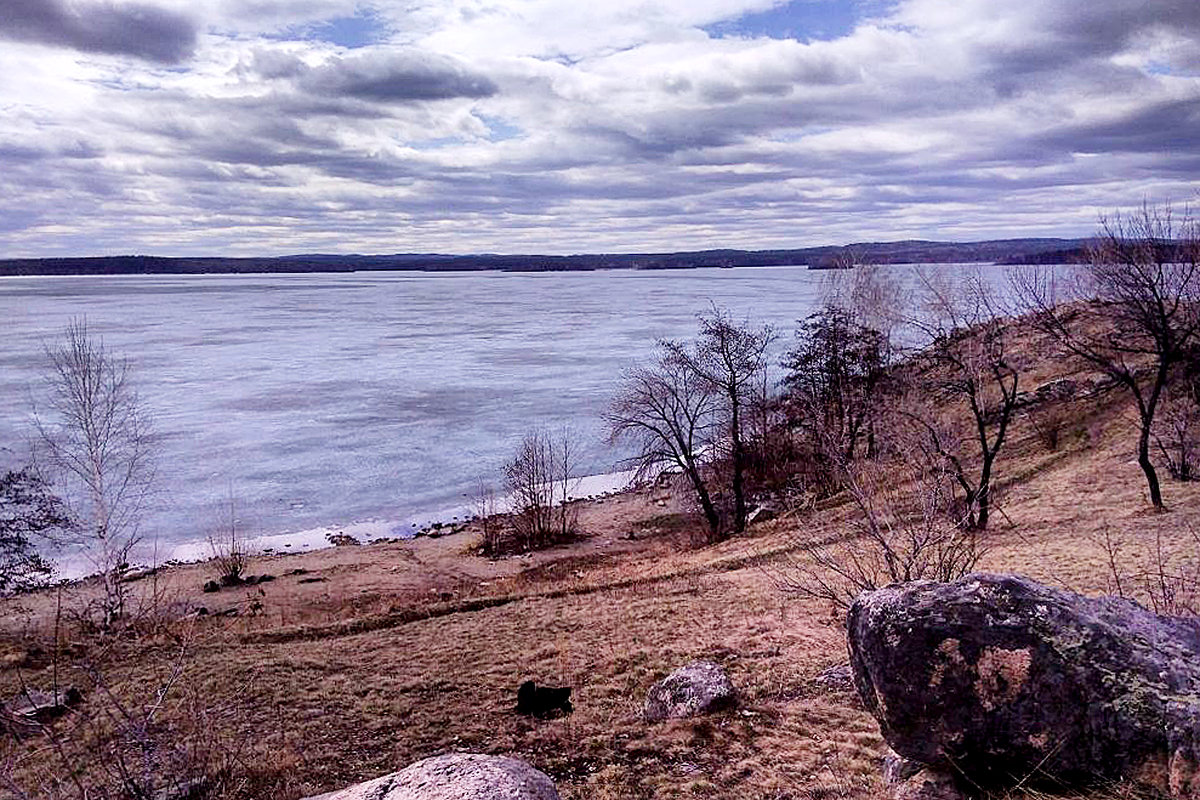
271, 127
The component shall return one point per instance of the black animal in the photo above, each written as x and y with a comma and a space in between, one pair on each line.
543, 701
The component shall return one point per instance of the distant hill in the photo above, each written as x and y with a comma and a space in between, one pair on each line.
1007, 251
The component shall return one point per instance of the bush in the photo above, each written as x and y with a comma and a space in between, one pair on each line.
538, 479
907, 527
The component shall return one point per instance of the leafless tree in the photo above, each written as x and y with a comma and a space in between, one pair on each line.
730, 359
870, 293
967, 360
228, 547
1143, 279
94, 444
486, 509
905, 527
1177, 428
538, 479
667, 412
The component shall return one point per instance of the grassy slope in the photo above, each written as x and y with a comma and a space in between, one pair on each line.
314, 705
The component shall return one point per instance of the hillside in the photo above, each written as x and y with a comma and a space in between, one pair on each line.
1007, 251
374, 656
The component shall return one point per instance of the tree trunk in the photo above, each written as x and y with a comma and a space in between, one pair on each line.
706, 503
739, 491
1148, 466
985, 489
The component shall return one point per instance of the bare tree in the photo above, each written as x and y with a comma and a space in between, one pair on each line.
1177, 433
228, 547
485, 507
538, 479
94, 443
666, 411
967, 360
1143, 279
905, 527
870, 293
730, 358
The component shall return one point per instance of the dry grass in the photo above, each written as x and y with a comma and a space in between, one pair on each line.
407, 650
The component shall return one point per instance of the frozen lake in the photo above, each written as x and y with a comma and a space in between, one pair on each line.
330, 399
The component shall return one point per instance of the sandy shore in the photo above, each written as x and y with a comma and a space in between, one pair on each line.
588, 488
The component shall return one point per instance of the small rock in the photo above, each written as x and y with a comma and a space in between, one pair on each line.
698, 688
928, 784
897, 769
457, 776
763, 513
211, 586
342, 540
34, 707
313, 580
837, 678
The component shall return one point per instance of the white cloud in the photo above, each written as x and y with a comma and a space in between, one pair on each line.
543, 124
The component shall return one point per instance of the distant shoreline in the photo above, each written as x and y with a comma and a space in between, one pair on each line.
1001, 251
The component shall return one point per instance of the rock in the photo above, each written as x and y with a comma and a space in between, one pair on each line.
341, 540
1002, 679
231, 580
838, 678
458, 776
763, 513
317, 579
928, 784
211, 586
188, 789
897, 769
33, 708
698, 688
134, 575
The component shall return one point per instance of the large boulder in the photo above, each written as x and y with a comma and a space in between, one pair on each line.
698, 688
458, 776
999, 679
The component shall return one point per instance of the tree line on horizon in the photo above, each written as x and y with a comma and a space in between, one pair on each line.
823, 257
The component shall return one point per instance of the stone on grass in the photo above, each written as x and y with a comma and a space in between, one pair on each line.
836, 678
1000, 680
457, 776
698, 688
928, 784
897, 769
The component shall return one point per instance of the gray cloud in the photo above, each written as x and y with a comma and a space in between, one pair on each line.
1010, 119
390, 77
131, 29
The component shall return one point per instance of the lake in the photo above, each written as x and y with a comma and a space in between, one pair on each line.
381, 399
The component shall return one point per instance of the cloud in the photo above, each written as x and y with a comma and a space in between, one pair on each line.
505, 125
129, 29
391, 77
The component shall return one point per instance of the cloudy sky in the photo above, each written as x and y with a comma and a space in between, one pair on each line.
265, 127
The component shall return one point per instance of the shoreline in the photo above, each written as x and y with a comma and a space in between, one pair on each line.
367, 531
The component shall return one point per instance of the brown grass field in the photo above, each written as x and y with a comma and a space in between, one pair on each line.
408, 650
